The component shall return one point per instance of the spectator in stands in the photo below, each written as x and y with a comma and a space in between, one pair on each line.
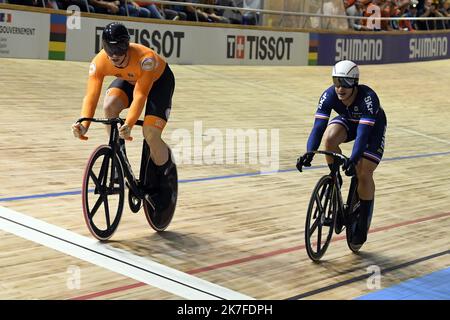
213, 14
48, 4
409, 12
420, 9
52, 4
158, 11
445, 11
105, 6
25, 2
134, 10
354, 8
64, 4
430, 9
233, 15
172, 12
119, 7
331, 8
437, 12
387, 9
155, 12
195, 14
396, 9
251, 18
446, 7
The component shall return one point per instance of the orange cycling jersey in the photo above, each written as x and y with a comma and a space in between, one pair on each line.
144, 67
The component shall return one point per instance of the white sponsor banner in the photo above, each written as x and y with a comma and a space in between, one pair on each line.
197, 45
24, 34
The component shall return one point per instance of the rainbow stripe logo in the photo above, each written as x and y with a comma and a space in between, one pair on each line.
313, 49
57, 43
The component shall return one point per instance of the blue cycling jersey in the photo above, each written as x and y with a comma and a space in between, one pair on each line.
363, 115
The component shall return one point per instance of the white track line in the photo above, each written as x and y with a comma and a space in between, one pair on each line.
117, 260
424, 135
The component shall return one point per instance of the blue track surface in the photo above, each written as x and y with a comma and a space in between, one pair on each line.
435, 286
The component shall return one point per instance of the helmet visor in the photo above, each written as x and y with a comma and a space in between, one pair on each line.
118, 48
345, 82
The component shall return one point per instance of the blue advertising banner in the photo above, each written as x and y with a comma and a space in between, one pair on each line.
378, 48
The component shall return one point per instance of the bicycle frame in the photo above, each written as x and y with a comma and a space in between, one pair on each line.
342, 214
353, 188
117, 147
344, 208
115, 175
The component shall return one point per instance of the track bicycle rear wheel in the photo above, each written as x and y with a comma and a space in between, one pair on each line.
164, 200
320, 218
103, 193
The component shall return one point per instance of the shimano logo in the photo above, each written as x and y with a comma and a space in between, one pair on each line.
428, 47
359, 49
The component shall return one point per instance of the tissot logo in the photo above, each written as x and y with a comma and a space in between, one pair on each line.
240, 47
166, 43
259, 47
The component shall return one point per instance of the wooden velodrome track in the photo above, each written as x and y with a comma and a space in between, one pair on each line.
242, 231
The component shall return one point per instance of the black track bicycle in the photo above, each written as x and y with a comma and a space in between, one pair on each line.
327, 211
106, 175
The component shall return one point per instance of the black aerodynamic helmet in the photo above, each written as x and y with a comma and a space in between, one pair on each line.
115, 39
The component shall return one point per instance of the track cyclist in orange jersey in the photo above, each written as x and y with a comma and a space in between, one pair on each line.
143, 78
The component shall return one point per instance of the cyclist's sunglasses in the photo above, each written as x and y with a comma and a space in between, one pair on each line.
345, 82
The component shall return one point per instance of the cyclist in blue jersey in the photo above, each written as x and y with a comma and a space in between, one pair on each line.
360, 118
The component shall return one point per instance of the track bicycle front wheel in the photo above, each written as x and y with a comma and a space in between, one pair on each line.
320, 218
103, 193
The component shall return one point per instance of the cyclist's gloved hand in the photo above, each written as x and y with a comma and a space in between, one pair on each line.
304, 161
349, 168
79, 131
125, 132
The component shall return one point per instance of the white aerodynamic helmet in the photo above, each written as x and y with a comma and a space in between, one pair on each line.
345, 74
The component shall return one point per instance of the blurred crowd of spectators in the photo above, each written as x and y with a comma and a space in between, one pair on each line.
397, 8
362, 9
145, 9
